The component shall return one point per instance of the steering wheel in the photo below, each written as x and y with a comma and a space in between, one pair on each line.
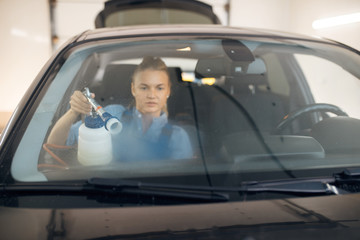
316, 107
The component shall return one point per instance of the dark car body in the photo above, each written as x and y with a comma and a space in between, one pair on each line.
118, 13
332, 217
268, 181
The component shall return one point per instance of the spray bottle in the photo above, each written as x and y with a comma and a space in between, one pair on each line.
94, 144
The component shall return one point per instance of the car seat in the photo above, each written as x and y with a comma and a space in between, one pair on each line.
115, 87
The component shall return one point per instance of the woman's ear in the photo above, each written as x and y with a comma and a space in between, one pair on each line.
169, 92
132, 89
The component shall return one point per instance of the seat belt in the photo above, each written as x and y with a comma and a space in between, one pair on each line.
165, 134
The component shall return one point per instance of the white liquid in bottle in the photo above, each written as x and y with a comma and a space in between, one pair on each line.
94, 143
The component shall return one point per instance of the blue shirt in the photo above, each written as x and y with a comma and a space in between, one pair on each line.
133, 144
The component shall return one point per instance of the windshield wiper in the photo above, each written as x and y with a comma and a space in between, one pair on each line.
101, 189
290, 186
349, 174
159, 190
348, 180
344, 182
340, 183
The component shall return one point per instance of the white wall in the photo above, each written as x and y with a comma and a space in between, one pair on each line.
24, 47
306, 11
271, 14
72, 17
297, 16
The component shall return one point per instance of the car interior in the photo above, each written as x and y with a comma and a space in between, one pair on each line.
231, 109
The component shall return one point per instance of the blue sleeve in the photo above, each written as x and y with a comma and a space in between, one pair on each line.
180, 145
73, 134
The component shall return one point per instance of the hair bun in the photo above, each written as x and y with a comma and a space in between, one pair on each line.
150, 62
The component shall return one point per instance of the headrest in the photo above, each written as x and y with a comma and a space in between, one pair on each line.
212, 67
115, 73
236, 60
115, 85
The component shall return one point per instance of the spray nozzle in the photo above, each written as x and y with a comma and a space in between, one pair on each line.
112, 124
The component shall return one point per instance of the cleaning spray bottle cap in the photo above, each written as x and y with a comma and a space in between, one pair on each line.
94, 122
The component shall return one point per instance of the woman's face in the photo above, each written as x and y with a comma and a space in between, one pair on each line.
150, 89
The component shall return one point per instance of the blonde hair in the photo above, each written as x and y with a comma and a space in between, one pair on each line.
153, 63
156, 64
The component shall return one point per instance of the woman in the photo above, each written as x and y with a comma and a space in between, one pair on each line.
146, 132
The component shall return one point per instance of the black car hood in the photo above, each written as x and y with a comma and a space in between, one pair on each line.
330, 217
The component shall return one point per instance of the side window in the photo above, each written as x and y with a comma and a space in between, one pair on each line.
329, 83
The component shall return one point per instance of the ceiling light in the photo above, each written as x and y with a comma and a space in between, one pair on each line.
336, 21
187, 77
185, 49
208, 81
18, 32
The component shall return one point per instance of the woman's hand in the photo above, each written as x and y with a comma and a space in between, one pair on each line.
79, 103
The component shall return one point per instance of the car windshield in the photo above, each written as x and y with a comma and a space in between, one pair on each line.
237, 109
